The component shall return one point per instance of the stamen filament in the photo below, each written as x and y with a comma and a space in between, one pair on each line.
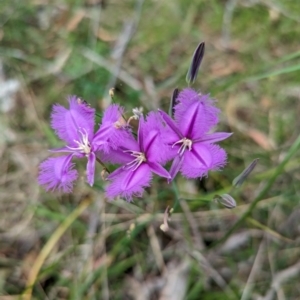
186, 143
139, 159
83, 145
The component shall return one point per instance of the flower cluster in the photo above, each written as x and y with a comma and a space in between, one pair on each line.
186, 140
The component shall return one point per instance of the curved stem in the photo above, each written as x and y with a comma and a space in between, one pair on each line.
279, 169
57, 234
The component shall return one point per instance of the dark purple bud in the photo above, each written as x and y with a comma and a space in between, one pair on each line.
242, 177
195, 64
226, 200
172, 103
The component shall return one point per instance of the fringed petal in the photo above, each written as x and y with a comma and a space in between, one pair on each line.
176, 166
57, 174
71, 124
128, 184
213, 138
159, 170
201, 159
195, 114
155, 144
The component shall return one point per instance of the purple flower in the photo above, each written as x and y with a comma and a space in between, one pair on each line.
191, 144
113, 129
139, 160
75, 126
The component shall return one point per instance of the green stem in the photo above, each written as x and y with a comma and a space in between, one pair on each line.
176, 192
279, 169
48, 247
102, 164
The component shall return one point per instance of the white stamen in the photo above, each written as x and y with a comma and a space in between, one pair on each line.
186, 143
137, 114
83, 144
139, 159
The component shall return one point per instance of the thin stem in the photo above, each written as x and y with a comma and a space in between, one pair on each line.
57, 234
177, 198
102, 164
176, 192
292, 151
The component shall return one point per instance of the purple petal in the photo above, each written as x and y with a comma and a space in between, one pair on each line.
171, 123
201, 159
176, 166
113, 114
219, 157
76, 153
197, 162
141, 134
120, 155
109, 137
157, 141
90, 168
116, 173
129, 183
56, 173
61, 149
152, 145
159, 170
70, 124
112, 131
213, 137
195, 114
115, 156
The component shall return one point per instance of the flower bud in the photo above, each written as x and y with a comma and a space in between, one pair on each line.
243, 176
172, 102
226, 200
195, 64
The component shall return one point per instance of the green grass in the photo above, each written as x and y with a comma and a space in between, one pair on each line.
99, 254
